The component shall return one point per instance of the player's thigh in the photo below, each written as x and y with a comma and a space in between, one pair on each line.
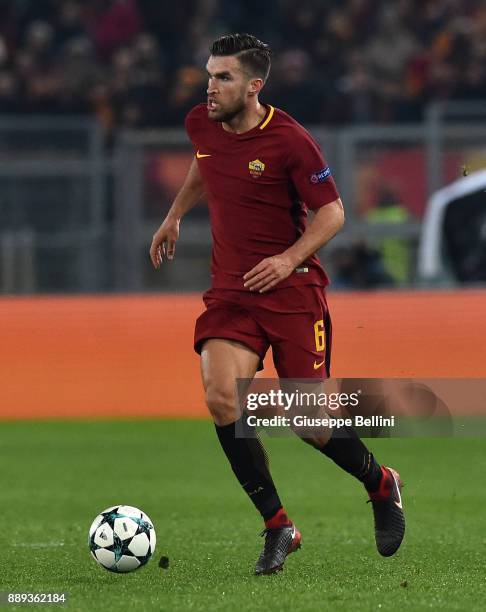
301, 338
222, 363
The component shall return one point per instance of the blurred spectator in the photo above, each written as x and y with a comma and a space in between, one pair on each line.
79, 73
188, 89
141, 63
294, 87
113, 24
69, 23
394, 251
355, 99
358, 267
8, 92
388, 55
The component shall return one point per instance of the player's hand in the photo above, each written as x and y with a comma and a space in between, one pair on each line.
268, 273
164, 240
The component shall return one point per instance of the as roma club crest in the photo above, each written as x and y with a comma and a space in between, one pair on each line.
256, 168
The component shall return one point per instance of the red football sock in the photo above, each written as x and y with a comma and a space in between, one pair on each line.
278, 520
385, 487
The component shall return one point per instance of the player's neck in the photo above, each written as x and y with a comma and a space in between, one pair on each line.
246, 120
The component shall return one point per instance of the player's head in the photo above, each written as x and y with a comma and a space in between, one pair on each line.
237, 70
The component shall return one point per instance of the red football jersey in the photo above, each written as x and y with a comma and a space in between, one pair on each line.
259, 185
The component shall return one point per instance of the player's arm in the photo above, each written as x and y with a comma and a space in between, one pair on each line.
164, 239
327, 222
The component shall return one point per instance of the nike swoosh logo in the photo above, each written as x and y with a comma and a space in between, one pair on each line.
201, 155
318, 365
398, 504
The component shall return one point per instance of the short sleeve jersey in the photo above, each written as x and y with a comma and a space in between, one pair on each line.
259, 186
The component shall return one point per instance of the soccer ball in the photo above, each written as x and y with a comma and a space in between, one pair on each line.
122, 538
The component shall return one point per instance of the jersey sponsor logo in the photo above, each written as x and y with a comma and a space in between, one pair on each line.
256, 168
321, 176
201, 155
318, 365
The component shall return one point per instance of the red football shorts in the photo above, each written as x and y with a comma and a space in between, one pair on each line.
294, 321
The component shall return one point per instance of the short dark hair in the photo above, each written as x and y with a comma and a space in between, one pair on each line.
252, 53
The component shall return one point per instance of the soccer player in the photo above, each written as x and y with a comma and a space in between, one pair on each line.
260, 172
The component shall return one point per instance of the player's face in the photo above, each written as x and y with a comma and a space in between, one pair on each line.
228, 88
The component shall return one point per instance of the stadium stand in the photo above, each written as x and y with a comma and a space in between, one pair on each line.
139, 63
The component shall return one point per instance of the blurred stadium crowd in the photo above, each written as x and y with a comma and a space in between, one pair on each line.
141, 62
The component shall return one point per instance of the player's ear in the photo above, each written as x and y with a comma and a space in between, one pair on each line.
255, 87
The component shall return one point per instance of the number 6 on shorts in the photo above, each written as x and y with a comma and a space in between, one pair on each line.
319, 335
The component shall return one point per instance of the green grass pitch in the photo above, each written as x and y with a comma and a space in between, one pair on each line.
55, 477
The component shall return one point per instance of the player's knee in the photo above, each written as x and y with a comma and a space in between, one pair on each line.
221, 404
316, 437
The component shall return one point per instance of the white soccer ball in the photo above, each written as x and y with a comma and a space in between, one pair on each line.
122, 538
